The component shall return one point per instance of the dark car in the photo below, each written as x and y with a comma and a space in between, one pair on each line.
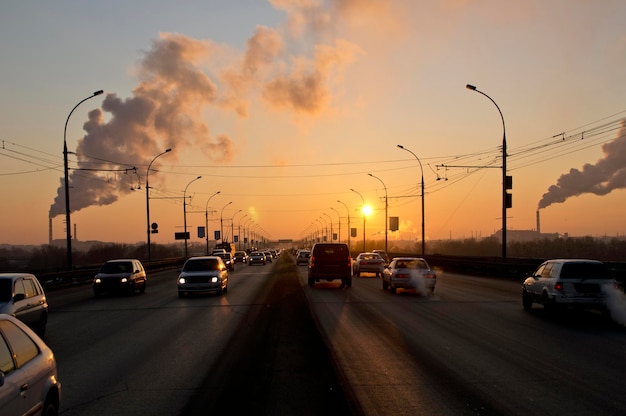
203, 274
303, 257
568, 282
228, 260
256, 257
22, 296
241, 257
330, 261
121, 276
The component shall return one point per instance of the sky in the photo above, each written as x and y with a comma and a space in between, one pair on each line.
285, 107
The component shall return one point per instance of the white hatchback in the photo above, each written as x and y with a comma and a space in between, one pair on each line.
29, 384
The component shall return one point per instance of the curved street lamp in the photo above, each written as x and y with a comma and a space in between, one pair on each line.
339, 224
362, 212
504, 177
206, 216
423, 214
349, 231
239, 231
222, 221
68, 222
148, 226
232, 226
386, 209
185, 211
330, 221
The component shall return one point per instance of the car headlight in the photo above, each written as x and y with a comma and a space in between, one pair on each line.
124, 280
97, 281
182, 280
214, 280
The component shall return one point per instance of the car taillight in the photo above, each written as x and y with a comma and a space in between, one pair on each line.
402, 275
312, 261
349, 261
558, 286
430, 276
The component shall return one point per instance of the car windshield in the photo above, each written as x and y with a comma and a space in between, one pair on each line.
411, 264
6, 290
116, 267
200, 265
585, 271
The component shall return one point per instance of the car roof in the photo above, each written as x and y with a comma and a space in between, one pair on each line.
119, 260
573, 261
15, 275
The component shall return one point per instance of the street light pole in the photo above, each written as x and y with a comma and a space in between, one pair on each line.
349, 231
386, 209
222, 221
339, 224
232, 226
206, 216
185, 211
331, 226
362, 212
239, 231
423, 196
68, 222
148, 227
504, 178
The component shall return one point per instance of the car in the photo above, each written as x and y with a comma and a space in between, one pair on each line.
382, 254
241, 257
22, 296
228, 260
559, 283
120, 276
256, 257
203, 274
268, 256
368, 263
412, 273
29, 383
330, 261
303, 257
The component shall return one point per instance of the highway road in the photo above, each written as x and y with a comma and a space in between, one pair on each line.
272, 345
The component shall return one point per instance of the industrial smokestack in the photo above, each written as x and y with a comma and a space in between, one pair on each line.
50, 231
75, 239
538, 223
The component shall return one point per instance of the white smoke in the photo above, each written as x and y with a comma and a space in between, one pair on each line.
608, 174
616, 302
180, 77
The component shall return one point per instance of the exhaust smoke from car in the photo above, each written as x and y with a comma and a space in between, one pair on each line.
616, 302
418, 281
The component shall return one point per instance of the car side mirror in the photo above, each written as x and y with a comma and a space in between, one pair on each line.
18, 297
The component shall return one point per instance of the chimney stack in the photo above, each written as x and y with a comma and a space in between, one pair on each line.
538, 223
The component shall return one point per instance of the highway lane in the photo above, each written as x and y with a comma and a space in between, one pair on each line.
470, 349
147, 353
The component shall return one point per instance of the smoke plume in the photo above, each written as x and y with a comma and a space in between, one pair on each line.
180, 77
608, 174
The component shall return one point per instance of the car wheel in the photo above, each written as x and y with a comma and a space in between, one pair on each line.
143, 288
181, 294
347, 282
51, 405
385, 285
311, 282
393, 288
549, 305
527, 301
357, 274
96, 293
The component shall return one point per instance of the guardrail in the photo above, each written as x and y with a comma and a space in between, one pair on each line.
85, 274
